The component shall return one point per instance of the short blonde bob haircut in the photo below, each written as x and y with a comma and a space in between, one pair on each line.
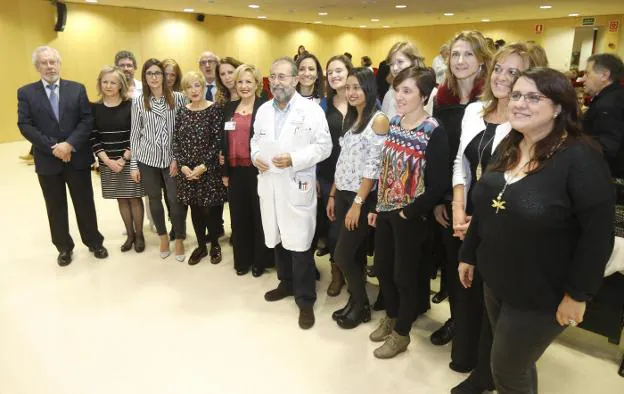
121, 78
243, 68
194, 76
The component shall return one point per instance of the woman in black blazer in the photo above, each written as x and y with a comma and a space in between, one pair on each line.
240, 176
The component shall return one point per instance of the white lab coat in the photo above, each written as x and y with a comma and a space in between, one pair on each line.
288, 198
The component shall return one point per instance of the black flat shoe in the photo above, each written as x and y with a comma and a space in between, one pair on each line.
99, 252
355, 317
444, 334
379, 304
468, 387
197, 255
139, 243
344, 310
322, 251
257, 272
439, 297
127, 245
215, 253
242, 271
459, 368
64, 258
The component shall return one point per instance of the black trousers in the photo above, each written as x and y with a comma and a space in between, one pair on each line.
248, 244
403, 278
466, 304
152, 178
81, 191
324, 227
205, 218
520, 339
350, 252
296, 273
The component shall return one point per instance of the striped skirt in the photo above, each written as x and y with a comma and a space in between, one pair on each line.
119, 185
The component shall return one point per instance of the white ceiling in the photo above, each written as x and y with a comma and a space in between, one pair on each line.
358, 13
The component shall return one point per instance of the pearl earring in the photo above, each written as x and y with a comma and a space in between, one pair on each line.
555, 115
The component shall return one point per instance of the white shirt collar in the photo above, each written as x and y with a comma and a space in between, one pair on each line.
46, 83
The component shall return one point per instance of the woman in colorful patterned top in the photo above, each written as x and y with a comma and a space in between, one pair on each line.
413, 177
350, 199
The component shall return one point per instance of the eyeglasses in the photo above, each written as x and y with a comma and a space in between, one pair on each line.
531, 98
279, 77
155, 74
205, 62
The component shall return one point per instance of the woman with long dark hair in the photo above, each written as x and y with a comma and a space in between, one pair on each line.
335, 106
350, 199
226, 88
173, 75
311, 82
413, 177
542, 228
153, 123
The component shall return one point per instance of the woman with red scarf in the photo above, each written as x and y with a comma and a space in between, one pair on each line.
468, 66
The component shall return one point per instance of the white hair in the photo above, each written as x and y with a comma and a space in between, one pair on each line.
444, 47
208, 54
40, 50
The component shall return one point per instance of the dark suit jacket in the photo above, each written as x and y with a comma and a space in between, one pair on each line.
38, 125
604, 120
228, 113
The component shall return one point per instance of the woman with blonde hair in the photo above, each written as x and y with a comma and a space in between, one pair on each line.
402, 55
468, 66
173, 75
196, 146
240, 175
484, 125
111, 144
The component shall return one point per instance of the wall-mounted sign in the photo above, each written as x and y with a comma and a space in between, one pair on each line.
590, 21
539, 29
614, 26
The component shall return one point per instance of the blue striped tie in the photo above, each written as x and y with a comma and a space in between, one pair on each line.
54, 102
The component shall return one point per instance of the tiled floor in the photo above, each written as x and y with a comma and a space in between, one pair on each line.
136, 324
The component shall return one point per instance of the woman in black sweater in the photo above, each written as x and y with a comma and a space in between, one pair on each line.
541, 230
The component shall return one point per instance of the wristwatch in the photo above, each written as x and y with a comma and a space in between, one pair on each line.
358, 200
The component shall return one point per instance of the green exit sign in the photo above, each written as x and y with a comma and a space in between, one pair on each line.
588, 21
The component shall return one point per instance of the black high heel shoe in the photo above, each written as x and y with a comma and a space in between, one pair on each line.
355, 317
139, 243
344, 310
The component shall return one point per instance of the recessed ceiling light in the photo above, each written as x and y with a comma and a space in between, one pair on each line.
400, 6
262, 17
189, 10
545, 7
448, 14
317, 22
253, 6
91, 1
573, 14
374, 20
322, 13
485, 20
362, 25
386, 26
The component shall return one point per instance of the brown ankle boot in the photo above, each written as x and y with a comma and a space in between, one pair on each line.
337, 280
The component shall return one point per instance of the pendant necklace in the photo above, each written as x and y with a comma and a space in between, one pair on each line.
498, 203
480, 151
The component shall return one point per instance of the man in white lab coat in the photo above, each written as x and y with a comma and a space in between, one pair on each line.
290, 137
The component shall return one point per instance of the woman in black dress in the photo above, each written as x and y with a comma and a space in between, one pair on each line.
542, 227
111, 144
196, 145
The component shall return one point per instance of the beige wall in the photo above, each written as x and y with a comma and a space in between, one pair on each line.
94, 33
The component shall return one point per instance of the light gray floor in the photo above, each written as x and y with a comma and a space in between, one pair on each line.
136, 324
